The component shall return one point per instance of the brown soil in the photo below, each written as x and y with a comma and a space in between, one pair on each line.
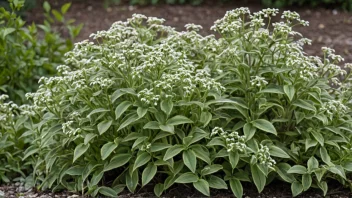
328, 27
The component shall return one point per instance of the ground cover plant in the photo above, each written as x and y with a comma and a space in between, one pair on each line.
29, 51
146, 105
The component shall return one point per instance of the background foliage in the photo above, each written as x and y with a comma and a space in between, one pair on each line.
31, 51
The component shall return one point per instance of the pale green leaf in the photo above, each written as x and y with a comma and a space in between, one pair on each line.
236, 187
121, 108
79, 151
148, 173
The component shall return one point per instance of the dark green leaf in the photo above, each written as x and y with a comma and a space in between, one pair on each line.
179, 119
103, 126
296, 188
264, 125
187, 178
236, 187
148, 173
107, 149
258, 177
118, 161
217, 182
121, 108
189, 158
80, 150
141, 159
172, 151
202, 186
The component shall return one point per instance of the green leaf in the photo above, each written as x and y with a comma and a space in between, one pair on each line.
189, 158
128, 121
217, 182
158, 189
75, 170
80, 150
167, 128
210, 169
187, 178
148, 173
205, 118
234, 158
282, 169
99, 110
159, 147
296, 188
65, 8
324, 187
141, 160
118, 161
348, 166
89, 137
132, 136
258, 177
264, 125
325, 156
299, 116
46, 6
312, 164
273, 90
298, 169
217, 141
304, 105
141, 111
249, 131
103, 126
7, 31
310, 143
236, 187
202, 154
289, 91
277, 152
318, 137
151, 125
202, 186
57, 15
172, 151
338, 170
177, 120
121, 108
132, 181
107, 149
166, 106
306, 181
107, 191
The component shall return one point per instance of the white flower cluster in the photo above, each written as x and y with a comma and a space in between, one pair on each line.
263, 156
231, 22
330, 53
258, 81
68, 129
7, 112
148, 97
193, 27
290, 16
101, 82
234, 142
333, 108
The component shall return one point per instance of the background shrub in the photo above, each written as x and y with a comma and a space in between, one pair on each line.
29, 52
147, 104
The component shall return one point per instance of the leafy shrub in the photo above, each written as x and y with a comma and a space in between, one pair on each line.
147, 104
13, 141
344, 4
154, 2
29, 52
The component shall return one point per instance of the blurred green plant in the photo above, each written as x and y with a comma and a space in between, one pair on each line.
344, 4
29, 52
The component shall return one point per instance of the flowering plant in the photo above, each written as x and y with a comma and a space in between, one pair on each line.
148, 104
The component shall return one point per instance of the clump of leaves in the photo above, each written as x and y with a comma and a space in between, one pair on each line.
150, 105
31, 51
